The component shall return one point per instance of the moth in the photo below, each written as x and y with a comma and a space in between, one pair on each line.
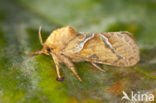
65, 45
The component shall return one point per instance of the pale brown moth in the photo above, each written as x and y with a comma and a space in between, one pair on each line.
66, 46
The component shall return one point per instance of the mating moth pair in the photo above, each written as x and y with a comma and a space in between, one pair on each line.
66, 46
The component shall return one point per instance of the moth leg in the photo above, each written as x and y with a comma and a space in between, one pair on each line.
59, 77
56, 61
71, 66
97, 67
74, 71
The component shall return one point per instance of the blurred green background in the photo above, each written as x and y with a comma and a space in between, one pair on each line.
33, 80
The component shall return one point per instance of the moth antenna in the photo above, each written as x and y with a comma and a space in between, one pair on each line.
35, 53
40, 37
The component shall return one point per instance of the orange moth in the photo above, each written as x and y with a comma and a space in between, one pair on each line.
66, 46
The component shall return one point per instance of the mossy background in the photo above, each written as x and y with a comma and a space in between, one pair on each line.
33, 80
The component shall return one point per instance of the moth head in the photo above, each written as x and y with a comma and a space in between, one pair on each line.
45, 50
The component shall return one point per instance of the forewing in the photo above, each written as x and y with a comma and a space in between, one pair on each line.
90, 48
125, 46
113, 48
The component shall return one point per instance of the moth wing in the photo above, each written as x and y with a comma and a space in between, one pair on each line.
114, 48
125, 46
90, 47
